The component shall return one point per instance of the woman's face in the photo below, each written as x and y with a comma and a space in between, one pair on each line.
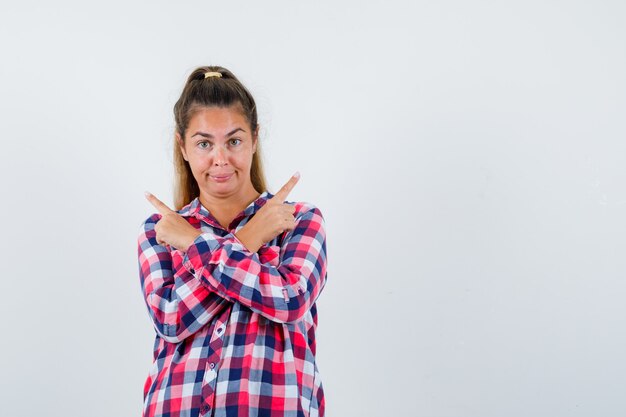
219, 148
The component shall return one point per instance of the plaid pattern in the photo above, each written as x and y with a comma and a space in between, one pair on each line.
235, 330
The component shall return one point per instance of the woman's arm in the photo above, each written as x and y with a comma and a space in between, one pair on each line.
178, 304
282, 291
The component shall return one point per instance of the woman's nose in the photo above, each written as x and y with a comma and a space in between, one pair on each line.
219, 157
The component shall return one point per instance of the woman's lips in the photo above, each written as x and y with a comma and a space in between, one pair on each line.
221, 178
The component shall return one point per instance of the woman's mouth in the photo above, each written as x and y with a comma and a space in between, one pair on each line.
221, 178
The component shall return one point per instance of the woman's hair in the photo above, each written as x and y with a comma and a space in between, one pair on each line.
200, 92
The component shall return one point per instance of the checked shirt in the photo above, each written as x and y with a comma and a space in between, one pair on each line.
235, 330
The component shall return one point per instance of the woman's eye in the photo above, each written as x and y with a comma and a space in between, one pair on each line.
202, 144
235, 140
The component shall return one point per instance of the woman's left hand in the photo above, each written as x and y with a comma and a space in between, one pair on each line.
172, 229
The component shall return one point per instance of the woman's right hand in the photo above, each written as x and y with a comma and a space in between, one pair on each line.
271, 220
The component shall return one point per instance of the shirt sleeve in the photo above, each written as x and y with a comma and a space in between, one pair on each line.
283, 290
178, 304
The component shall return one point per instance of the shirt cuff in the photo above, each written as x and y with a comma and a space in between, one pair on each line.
201, 249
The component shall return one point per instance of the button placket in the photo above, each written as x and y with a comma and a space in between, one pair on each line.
205, 408
210, 375
213, 360
210, 372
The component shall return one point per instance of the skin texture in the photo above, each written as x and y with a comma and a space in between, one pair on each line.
228, 150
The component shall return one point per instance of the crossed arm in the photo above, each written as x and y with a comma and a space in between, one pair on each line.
280, 283
177, 303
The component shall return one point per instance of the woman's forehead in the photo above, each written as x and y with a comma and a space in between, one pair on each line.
218, 120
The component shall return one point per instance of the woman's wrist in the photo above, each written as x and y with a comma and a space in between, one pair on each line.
190, 239
247, 238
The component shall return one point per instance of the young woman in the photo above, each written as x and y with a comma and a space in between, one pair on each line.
231, 276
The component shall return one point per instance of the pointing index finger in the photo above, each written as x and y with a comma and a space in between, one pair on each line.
286, 189
158, 204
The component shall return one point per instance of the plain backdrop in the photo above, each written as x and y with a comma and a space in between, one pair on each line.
468, 157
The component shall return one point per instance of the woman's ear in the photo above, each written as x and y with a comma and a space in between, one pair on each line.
255, 139
181, 145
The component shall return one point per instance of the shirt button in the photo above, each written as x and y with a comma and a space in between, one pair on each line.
219, 330
212, 365
204, 409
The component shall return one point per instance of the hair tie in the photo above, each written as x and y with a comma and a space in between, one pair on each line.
212, 74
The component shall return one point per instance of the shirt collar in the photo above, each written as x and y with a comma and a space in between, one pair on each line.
196, 209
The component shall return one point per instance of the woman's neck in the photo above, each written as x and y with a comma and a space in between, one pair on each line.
225, 209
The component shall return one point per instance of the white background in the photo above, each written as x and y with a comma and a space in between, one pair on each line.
468, 157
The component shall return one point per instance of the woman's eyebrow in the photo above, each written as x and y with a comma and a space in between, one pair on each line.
208, 135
